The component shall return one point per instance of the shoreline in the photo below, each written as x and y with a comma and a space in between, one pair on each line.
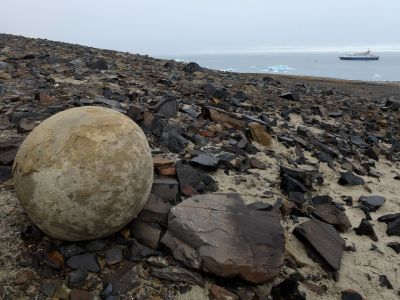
283, 76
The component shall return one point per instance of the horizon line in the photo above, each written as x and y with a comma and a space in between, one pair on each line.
285, 49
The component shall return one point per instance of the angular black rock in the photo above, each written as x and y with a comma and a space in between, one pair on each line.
192, 180
86, 261
366, 228
210, 90
122, 281
189, 177
8, 150
384, 282
349, 178
297, 197
5, 173
31, 233
306, 177
113, 255
148, 234
323, 239
167, 108
136, 252
289, 184
77, 277
372, 202
351, 295
290, 96
287, 290
99, 64
68, 250
393, 227
395, 246
389, 217
205, 160
95, 245
366, 211
324, 199
335, 114
192, 67
165, 188
359, 142
155, 211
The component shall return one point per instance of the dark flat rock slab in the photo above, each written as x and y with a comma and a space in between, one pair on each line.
323, 239
206, 160
349, 178
323, 199
372, 202
389, 217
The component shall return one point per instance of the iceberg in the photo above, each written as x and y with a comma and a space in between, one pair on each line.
278, 69
227, 70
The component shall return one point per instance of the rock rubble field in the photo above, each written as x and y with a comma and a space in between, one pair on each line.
265, 186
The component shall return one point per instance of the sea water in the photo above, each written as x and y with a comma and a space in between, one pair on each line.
308, 63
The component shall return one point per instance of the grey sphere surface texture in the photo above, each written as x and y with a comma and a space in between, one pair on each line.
83, 173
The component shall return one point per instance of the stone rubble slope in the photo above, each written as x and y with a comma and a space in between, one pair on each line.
266, 187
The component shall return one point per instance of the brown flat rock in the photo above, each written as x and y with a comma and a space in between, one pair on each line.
331, 214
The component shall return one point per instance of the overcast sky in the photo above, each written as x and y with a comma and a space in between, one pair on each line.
197, 26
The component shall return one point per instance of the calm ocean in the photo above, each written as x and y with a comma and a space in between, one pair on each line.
321, 64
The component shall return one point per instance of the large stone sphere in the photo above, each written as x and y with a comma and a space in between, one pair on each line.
83, 173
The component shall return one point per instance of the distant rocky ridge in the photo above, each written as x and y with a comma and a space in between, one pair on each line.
266, 186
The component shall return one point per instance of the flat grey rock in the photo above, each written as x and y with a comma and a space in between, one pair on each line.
219, 234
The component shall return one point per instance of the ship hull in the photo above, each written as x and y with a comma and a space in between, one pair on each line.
359, 57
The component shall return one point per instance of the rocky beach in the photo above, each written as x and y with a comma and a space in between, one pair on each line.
266, 186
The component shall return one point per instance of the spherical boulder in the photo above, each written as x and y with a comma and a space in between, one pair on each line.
83, 173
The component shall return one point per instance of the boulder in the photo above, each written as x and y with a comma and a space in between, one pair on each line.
218, 233
84, 173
